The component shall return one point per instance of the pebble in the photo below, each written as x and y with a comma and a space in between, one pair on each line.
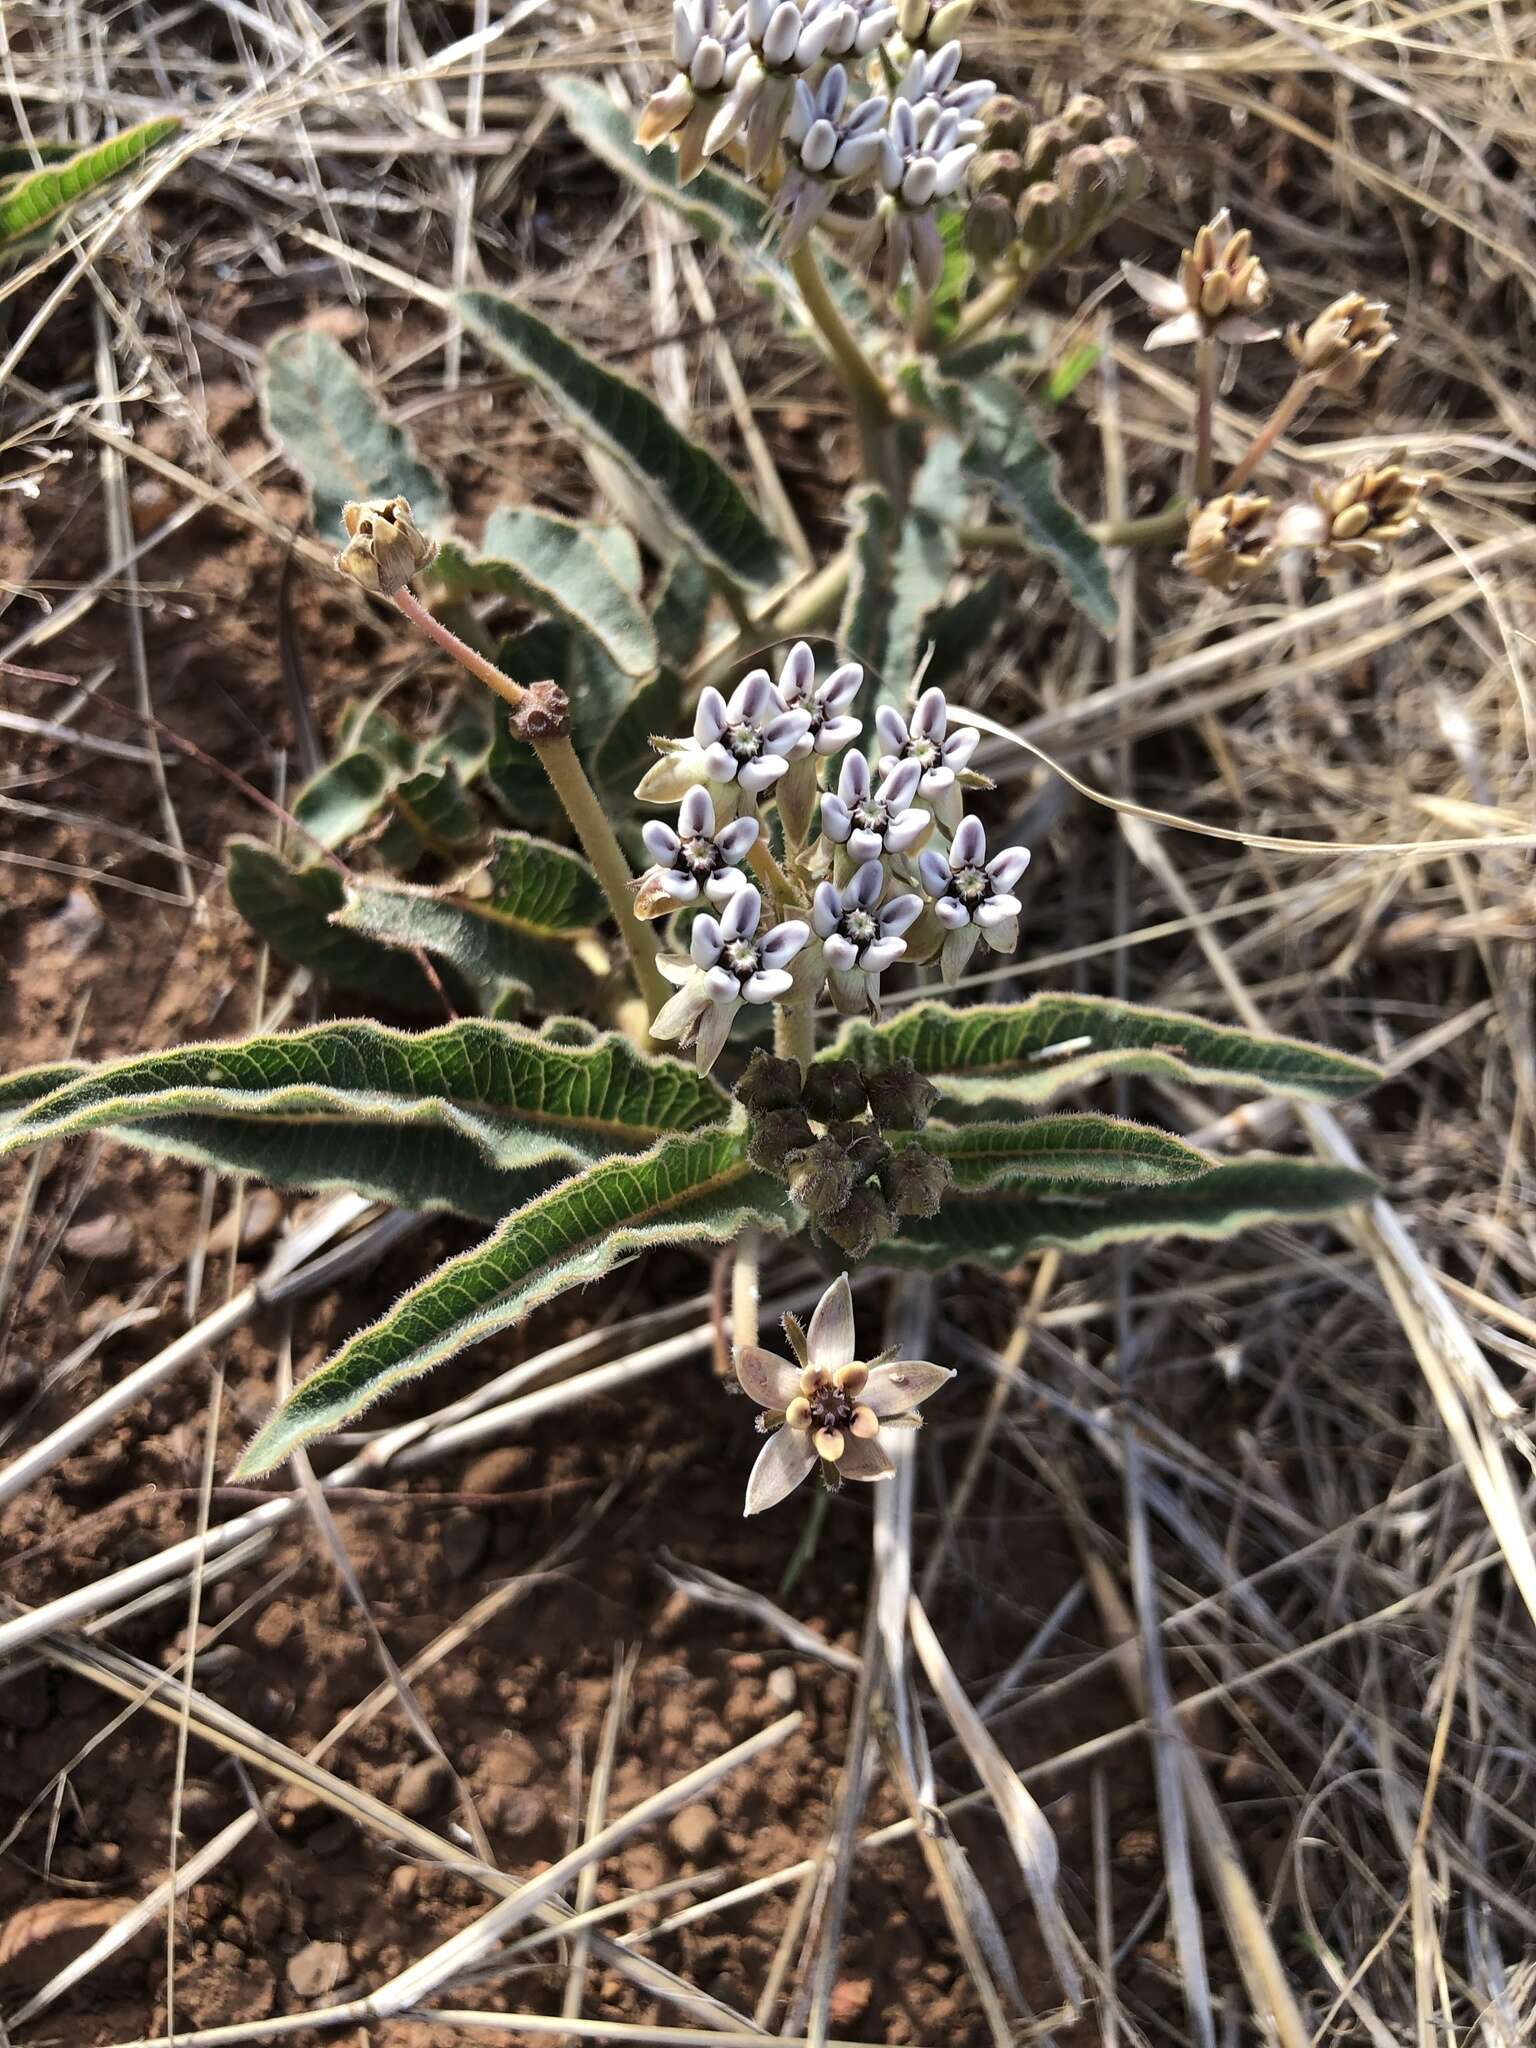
466, 1539
850, 2000
694, 1832
422, 1786
512, 1810
108, 1236
318, 1968
510, 1760
274, 1627
499, 1471
782, 1686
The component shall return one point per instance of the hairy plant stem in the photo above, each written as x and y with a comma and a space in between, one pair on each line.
746, 1268
989, 302
1151, 530
794, 1031
1207, 365
866, 387
770, 874
1301, 390
569, 781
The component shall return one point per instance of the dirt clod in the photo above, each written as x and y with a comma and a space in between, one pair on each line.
318, 1968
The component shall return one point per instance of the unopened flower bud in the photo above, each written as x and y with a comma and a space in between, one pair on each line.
385, 548
1006, 121
989, 230
769, 1083
867, 1151
998, 170
1230, 541
1087, 117
1122, 153
861, 1223
776, 1133
915, 1181
1045, 144
900, 1098
834, 1092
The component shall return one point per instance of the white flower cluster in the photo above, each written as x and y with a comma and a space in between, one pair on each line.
895, 870
802, 74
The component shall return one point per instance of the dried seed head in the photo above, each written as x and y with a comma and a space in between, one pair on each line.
900, 1098
1357, 520
385, 547
1230, 541
775, 1134
1220, 290
834, 1092
860, 1224
769, 1083
1343, 342
915, 1181
820, 1178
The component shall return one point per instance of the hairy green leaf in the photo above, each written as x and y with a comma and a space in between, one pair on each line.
292, 907
1002, 1226
696, 497
452, 1119
872, 527
1053, 1151
334, 430
923, 557
958, 632
344, 797
626, 751
682, 611
989, 352
37, 200
691, 1188
563, 567
436, 809
1025, 1053
1007, 455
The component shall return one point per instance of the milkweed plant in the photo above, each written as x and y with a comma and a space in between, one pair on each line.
688, 902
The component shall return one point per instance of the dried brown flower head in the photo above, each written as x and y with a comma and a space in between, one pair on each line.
828, 1407
1220, 290
385, 547
1230, 541
1339, 347
1356, 521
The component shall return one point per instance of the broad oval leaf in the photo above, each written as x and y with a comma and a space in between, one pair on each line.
1005, 453
335, 432
449, 1119
699, 499
694, 1188
37, 200
344, 797
1004, 1225
562, 567
1025, 1053
292, 908
435, 808
1052, 1152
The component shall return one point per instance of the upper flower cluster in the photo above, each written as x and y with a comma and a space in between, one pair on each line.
797, 74
894, 869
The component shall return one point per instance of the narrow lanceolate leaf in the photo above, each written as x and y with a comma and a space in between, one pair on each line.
923, 556
560, 567
511, 921
452, 1119
1004, 1225
334, 430
1007, 455
38, 200
689, 1189
1024, 1053
1052, 1152
291, 907
871, 530
682, 611
696, 497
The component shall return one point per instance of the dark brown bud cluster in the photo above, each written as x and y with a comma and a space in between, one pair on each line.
828, 1138
1045, 188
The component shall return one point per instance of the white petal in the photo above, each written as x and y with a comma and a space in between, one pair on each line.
864, 846
661, 842
836, 734
996, 910
920, 182
864, 891
970, 846
903, 832
676, 1015
721, 887
830, 1338
685, 33
722, 986
901, 784
839, 953
841, 687
1175, 333
1162, 294
782, 1463
882, 953
706, 940
960, 746
735, 841
752, 699
935, 872
864, 1458
857, 155
767, 985
892, 728
741, 915
1005, 868
835, 821
951, 913
710, 720
714, 1030
780, 733
898, 914
696, 815
893, 1389
756, 776
826, 909
797, 676
771, 1381
720, 764
781, 945
679, 884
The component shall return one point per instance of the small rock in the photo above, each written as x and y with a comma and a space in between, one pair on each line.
499, 1471
274, 1626
694, 1832
41, 1939
300, 1809
74, 928
781, 1686
422, 1786
511, 1760
263, 1913
1139, 1846
850, 2000
205, 1807
466, 1539
108, 1236
404, 1883
512, 1810
318, 1968
228, 1955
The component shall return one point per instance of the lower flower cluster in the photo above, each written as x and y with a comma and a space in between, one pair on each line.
828, 1137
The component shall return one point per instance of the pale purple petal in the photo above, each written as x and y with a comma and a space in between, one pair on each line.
905, 831
837, 733
781, 945
722, 986
970, 845
679, 884
767, 985
835, 820
892, 728
736, 840
782, 1463
661, 842
780, 733
756, 776
797, 675
826, 909
841, 687
894, 1389
935, 871
996, 910
752, 699
901, 784
772, 1382
830, 1338
931, 716
936, 780
863, 892
722, 886
741, 915
720, 764
853, 778
882, 953
951, 912
864, 846
706, 940
899, 913
710, 720
1005, 868
839, 953
696, 815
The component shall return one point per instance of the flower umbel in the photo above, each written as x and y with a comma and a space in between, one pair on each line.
825, 703
827, 143
830, 1408
709, 50
926, 739
973, 896
1342, 344
385, 547
1220, 290
861, 936
873, 826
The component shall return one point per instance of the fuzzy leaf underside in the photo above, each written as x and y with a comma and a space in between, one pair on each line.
691, 1188
292, 908
35, 200
452, 1119
695, 494
1051, 1152
1004, 1225
1002, 1056
335, 432
560, 567
343, 798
